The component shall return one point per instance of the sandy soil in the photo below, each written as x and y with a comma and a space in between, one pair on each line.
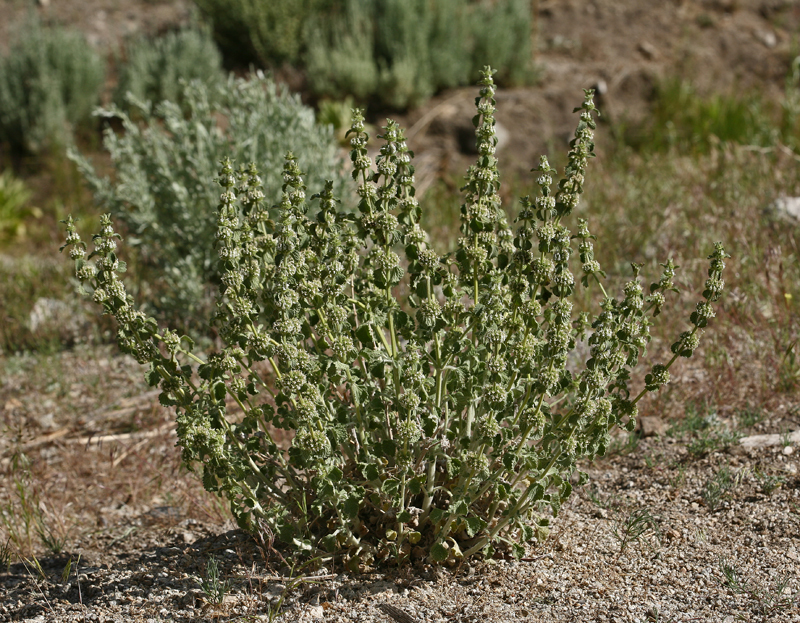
97, 453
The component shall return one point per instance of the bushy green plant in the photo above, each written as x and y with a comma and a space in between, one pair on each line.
400, 52
502, 36
158, 69
433, 410
260, 30
164, 166
394, 52
348, 47
685, 120
49, 82
14, 196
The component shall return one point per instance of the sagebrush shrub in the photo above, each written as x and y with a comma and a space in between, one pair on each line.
394, 53
157, 69
163, 186
432, 410
265, 31
400, 52
50, 81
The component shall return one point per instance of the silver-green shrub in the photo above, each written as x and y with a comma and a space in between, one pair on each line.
50, 80
432, 408
395, 53
163, 188
400, 52
157, 69
263, 31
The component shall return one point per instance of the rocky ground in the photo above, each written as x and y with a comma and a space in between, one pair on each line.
692, 524
688, 525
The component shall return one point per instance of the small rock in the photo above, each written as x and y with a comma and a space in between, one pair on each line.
11, 405
46, 421
648, 50
189, 537
767, 37
502, 134
786, 207
672, 535
652, 425
787, 450
775, 439
54, 315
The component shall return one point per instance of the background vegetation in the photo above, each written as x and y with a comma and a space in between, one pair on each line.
49, 82
164, 165
394, 53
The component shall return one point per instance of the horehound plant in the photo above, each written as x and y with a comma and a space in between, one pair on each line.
433, 412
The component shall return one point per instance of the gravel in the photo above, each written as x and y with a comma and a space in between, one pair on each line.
150, 567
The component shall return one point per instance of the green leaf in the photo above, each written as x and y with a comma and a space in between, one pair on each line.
475, 525
537, 493
527, 532
401, 319
364, 335
328, 543
351, 507
219, 390
371, 472
165, 400
439, 552
459, 508
209, 480
357, 391
152, 377
390, 486
378, 370
389, 447
437, 515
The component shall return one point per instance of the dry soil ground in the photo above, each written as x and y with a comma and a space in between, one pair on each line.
88, 457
